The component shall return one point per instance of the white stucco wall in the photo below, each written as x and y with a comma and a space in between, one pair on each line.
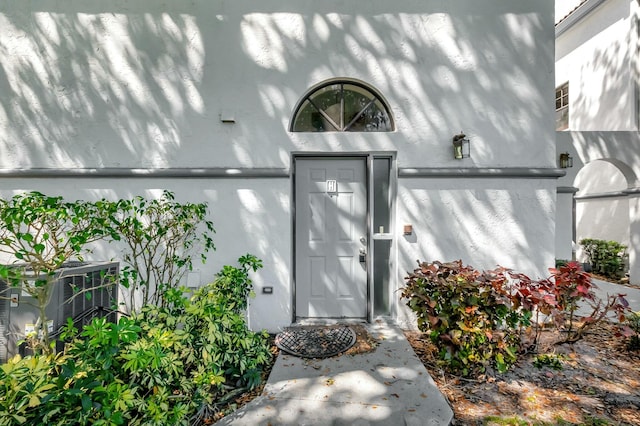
606, 219
598, 57
249, 216
622, 149
601, 218
484, 222
135, 85
565, 246
604, 163
598, 177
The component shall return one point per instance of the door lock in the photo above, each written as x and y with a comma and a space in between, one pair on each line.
363, 255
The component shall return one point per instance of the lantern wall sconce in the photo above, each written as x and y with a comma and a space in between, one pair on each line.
566, 161
461, 147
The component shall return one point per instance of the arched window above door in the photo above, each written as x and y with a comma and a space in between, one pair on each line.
342, 106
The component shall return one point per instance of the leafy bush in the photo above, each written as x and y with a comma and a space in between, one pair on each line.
467, 313
633, 322
553, 361
479, 319
41, 233
25, 384
95, 386
606, 257
161, 237
234, 283
167, 365
213, 329
572, 287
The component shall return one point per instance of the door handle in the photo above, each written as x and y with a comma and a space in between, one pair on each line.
363, 255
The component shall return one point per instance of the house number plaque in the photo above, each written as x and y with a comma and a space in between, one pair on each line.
332, 186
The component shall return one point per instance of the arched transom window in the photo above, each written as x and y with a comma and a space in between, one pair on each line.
342, 106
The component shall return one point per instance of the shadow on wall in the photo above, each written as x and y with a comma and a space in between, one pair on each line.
92, 88
620, 149
605, 95
127, 85
597, 57
124, 84
242, 223
436, 68
488, 224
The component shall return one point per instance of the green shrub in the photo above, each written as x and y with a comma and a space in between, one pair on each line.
193, 352
40, 233
478, 318
60, 390
162, 366
553, 361
161, 238
467, 314
633, 322
234, 283
211, 349
26, 384
606, 257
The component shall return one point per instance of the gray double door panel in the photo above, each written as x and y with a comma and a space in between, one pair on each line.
331, 232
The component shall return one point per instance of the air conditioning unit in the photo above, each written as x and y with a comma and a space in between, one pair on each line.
19, 314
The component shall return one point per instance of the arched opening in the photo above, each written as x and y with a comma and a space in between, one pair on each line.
602, 206
342, 105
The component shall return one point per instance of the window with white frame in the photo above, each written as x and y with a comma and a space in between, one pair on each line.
562, 107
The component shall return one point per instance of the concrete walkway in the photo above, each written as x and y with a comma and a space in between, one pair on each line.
632, 294
388, 386
606, 289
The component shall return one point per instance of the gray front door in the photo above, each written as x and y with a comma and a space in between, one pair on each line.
331, 232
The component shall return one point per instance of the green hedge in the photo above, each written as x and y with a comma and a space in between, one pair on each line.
606, 257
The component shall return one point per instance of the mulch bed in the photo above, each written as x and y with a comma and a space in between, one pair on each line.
598, 384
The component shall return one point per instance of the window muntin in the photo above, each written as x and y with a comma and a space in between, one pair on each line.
562, 107
342, 107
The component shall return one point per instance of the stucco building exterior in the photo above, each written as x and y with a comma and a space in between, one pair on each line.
320, 133
598, 73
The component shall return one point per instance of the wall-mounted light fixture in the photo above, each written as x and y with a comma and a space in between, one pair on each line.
461, 147
566, 160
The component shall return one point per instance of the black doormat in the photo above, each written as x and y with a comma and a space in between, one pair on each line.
316, 342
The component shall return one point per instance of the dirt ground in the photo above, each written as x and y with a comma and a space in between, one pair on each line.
596, 381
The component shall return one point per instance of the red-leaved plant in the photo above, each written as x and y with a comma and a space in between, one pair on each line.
559, 297
479, 319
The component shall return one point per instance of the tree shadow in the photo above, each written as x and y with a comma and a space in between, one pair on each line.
89, 86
